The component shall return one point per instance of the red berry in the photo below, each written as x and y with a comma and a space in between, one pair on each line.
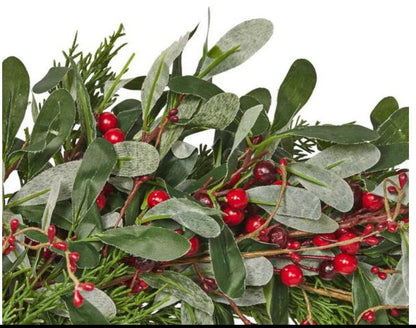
156, 197
143, 284
372, 241
307, 322
87, 286
256, 139
280, 182
293, 244
394, 313
204, 199
351, 248
391, 190
291, 275
368, 228
74, 256
173, 119
78, 300
322, 240
114, 136
7, 251
233, 217
341, 231
60, 245
194, 241
392, 227
12, 247
327, 270
278, 236
358, 195
295, 257
72, 267
107, 121
101, 201
369, 316
406, 220
46, 253
237, 199
382, 275
11, 240
173, 112
283, 162
178, 231
264, 172
14, 225
345, 263
254, 223
382, 226
375, 270
51, 233
108, 189
372, 202
402, 179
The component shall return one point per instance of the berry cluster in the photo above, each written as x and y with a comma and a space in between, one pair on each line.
173, 115
9, 242
107, 123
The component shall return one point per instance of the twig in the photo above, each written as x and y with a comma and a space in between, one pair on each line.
308, 306
136, 186
326, 292
380, 307
235, 308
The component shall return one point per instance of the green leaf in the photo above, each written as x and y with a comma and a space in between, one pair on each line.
129, 116
216, 174
251, 296
153, 243
158, 76
135, 83
89, 253
192, 316
135, 159
87, 314
191, 85
52, 128
101, 301
277, 301
324, 225
36, 191
182, 288
201, 224
15, 93
51, 79
259, 271
365, 296
248, 36
182, 150
262, 96
96, 166
92, 223
227, 263
51, 203
85, 112
223, 315
383, 110
347, 160
296, 202
332, 190
246, 123
294, 92
391, 155
341, 134
395, 129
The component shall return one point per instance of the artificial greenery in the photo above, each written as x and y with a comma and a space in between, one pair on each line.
120, 221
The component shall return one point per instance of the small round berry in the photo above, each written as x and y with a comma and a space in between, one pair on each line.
237, 199
278, 236
358, 195
11, 240
101, 201
204, 199
87, 286
178, 231
173, 112
372, 241
61, 245
382, 275
406, 220
14, 225
372, 202
367, 229
375, 270
295, 257
194, 241
77, 300
283, 162
402, 179
256, 139
233, 217
114, 136
327, 270
280, 182
143, 284
293, 244
206, 287
341, 231
253, 223
264, 235
156, 197
108, 189
369, 316
12, 247
392, 227
391, 190
291, 275
308, 322
72, 267
264, 172
173, 119
382, 226
7, 251
46, 253
394, 313
345, 263
211, 282
323, 239
107, 121
351, 248
74, 256
51, 233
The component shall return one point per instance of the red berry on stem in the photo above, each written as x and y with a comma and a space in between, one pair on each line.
369, 316
254, 223
327, 270
372, 241
291, 275
321, 240
12, 247
108, 189
375, 270
107, 121
402, 179
101, 201
178, 231
278, 236
156, 197
293, 244
204, 199
77, 300
368, 228
87, 286
14, 225
11, 240
391, 190
173, 112
295, 257
372, 202
392, 226
382, 275
351, 248
173, 119
233, 217
256, 139
237, 199
394, 313
283, 161
308, 322
358, 195
280, 182
264, 172
63, 246
382, 226
51, 233
194, 241
74, 256
345, 263
72, 267
341, 231
114, 136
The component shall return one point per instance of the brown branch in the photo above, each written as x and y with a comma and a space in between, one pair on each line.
136, 186
327, 292
308, 306
235, 308
380, 307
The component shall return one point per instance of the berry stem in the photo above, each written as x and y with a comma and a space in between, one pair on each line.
386, 201
337, 294
308, 306
381, 307
235, 308
75, 150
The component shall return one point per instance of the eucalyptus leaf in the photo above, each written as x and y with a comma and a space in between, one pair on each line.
192, 316
201, 224
395, 129
87, 314
246, 123
259, 271
391, 155
252, 296
191, 85
383, 110
262, 96
51, 203
152, 243
51, 79
15, 95
182, 150
276, 295
324, 225
101, 301
135, 159
332, 189
347, 160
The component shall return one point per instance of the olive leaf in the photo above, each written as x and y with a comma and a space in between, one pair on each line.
383, 110
51, 79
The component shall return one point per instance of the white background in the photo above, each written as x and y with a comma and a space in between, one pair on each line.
362, 50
